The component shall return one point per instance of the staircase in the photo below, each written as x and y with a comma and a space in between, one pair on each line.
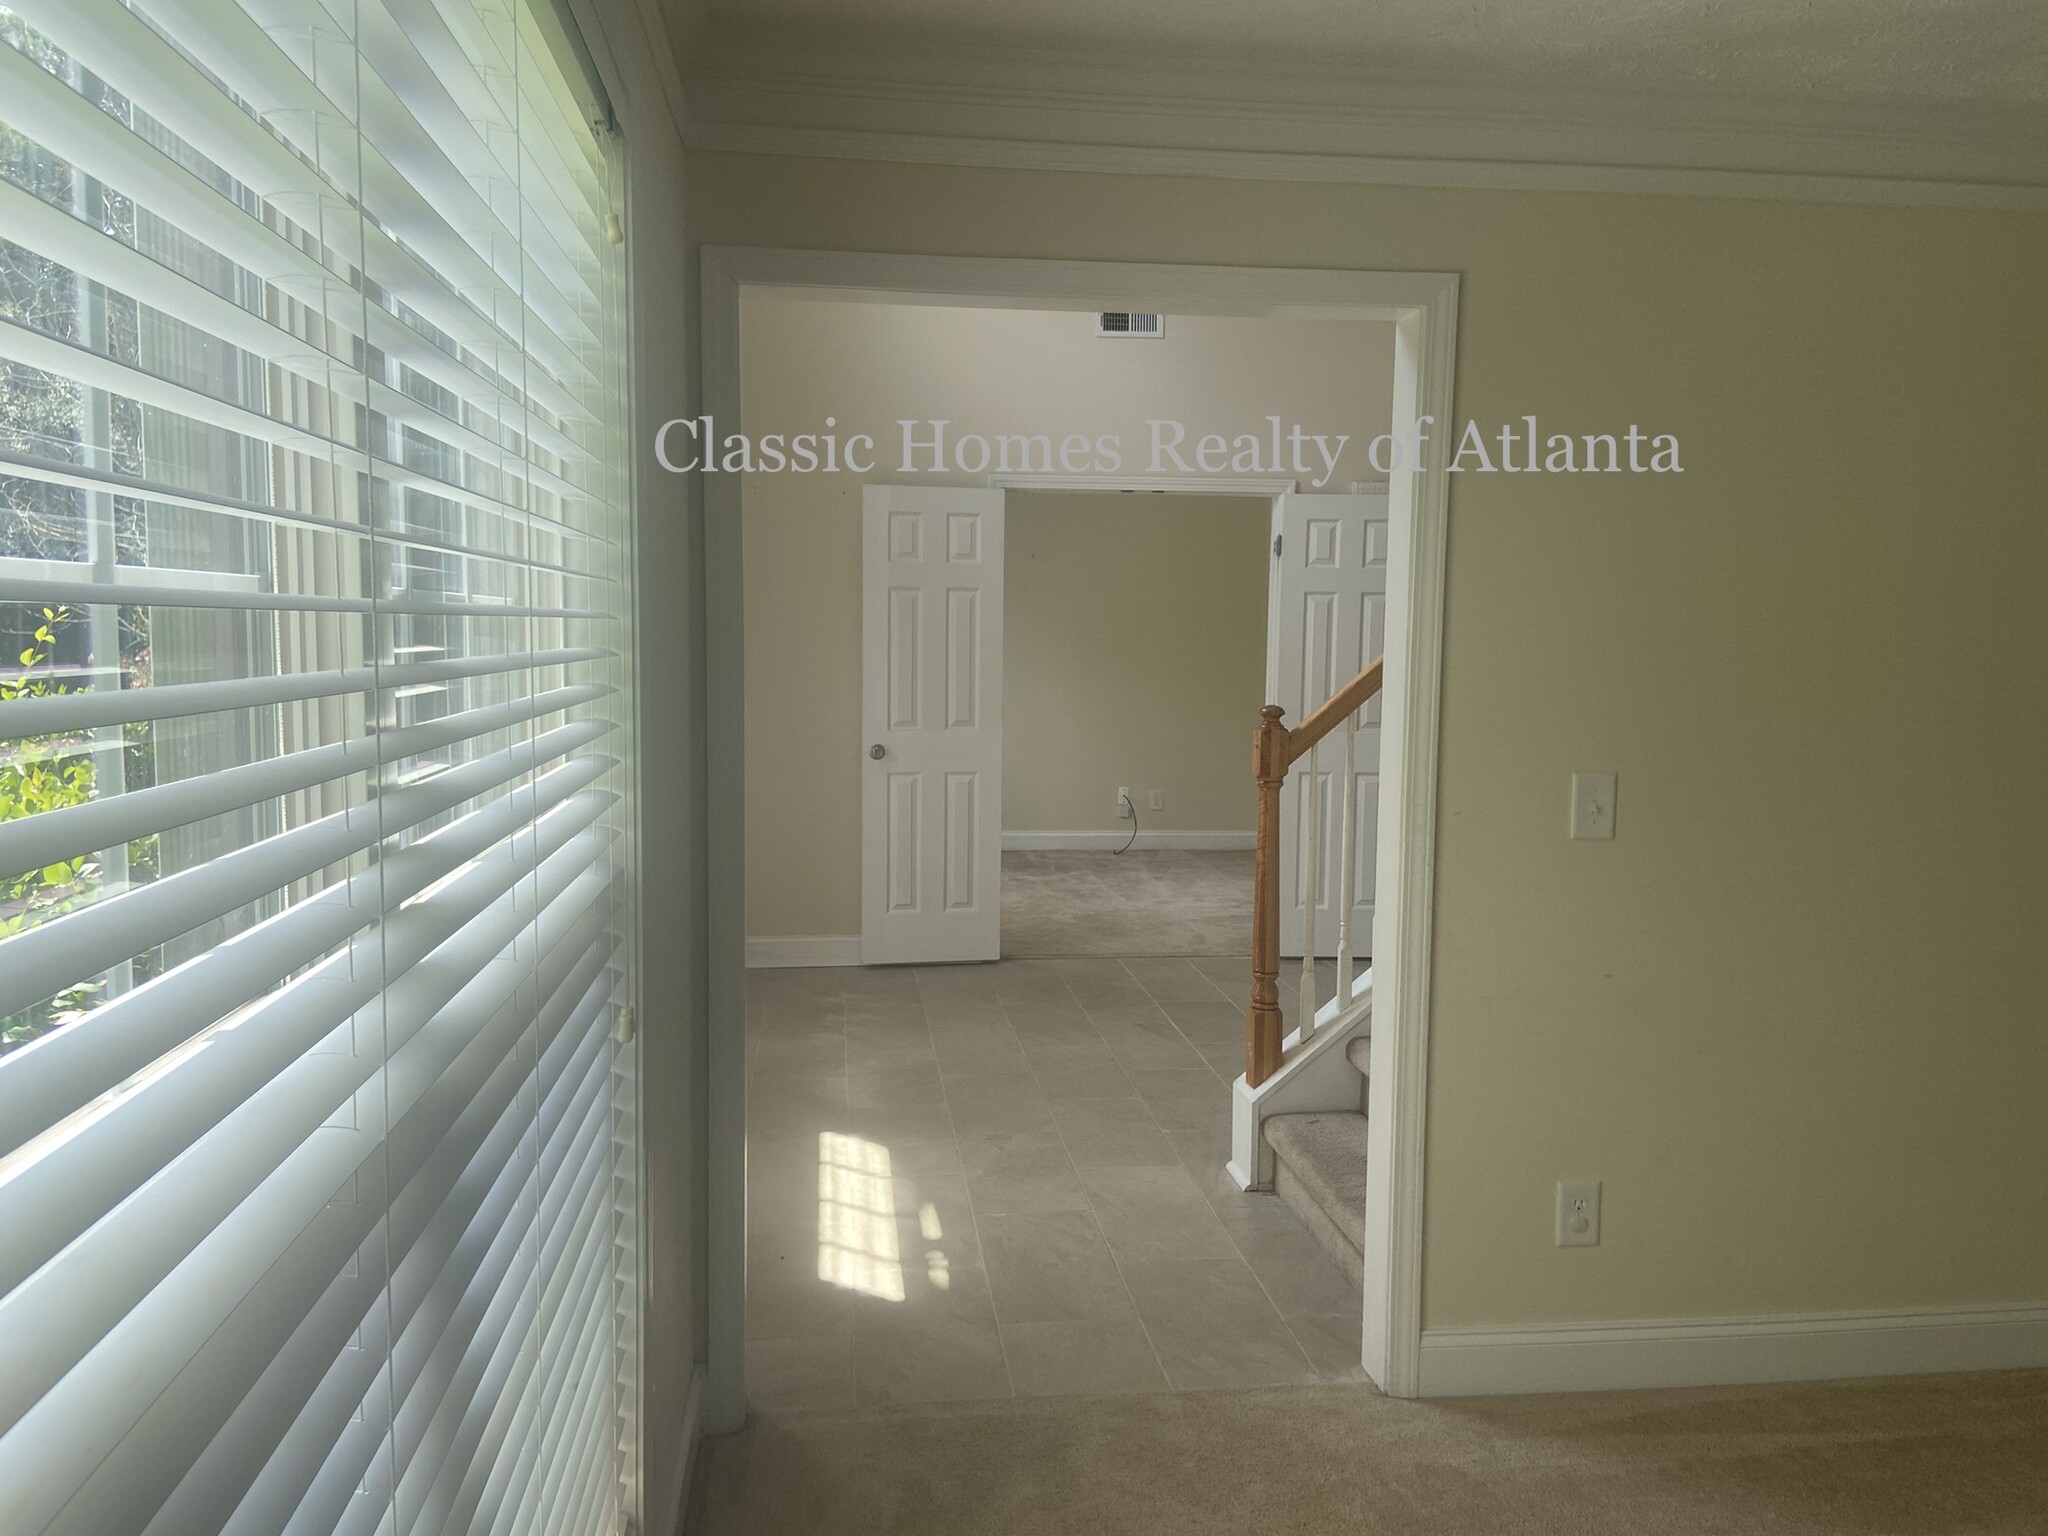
1319, 1169
1298, 1121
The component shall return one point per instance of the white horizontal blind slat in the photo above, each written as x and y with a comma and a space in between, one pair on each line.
87, 711
61, 1073
29, 842
107, 932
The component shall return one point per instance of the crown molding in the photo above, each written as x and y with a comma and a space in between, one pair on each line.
1010, 108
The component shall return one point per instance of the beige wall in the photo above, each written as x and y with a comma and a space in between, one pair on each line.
1796, 1015
984, 370
1134, 654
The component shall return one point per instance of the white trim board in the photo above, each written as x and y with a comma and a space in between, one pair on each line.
1010, 108
779, 951
1109, 842
1423, 308
1706, 1352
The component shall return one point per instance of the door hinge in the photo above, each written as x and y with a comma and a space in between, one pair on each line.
1276, 546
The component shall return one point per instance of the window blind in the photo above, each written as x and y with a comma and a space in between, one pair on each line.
318, 1090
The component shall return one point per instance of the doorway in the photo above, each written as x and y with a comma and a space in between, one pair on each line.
1422, 310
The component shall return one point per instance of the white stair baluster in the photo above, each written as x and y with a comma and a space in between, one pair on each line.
1347, 785
1312, 872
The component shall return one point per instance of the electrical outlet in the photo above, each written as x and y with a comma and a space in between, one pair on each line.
1578, 1215
1158, 799
1126, 807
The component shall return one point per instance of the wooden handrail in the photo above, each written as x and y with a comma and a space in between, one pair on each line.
1341, 705
1274, 750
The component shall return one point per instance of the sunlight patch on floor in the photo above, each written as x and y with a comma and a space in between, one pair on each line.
857, 1247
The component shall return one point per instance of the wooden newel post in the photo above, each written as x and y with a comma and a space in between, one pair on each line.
1262, 1019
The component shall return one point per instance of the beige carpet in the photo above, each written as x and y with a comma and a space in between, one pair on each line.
1145, 902
1956, 1455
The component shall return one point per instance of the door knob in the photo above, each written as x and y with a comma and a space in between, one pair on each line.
876, 752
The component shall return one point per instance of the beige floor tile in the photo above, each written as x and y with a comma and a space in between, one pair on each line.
1052, 1268
1331, 1344
1097, 971
1214, 1021
1105, 1355
1089, 1071
935, 1220
1196, 1353
786, 1297
1223, 1290
1298, 1275
795, 1053
1171, 981
873, 985
975, 1045
1030, 982
1149, 1042
908, 1082
1009, 1173
1112, 1133
796, 1102
782, 1188
955, 983
1053, 1031
1120, 1005
787, 1374
1183, 1099
993, 1103
1225, 1057
938, 1345
1154, 1213
873, 1049
890, 1125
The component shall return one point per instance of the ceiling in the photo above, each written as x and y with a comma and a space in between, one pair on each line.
1941, 50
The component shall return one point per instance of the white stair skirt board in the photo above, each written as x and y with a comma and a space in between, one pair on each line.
778, 951
1104, 842
1820, 1346
1314, 1077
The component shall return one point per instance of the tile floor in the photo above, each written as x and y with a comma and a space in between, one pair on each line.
1007, 1180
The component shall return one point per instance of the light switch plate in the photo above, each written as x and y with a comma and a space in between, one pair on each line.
1593, 806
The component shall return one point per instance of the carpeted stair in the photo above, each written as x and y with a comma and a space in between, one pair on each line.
1319, 1170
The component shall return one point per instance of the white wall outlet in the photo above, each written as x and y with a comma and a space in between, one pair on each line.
1158, 799
1593, 806
1578, 1215
1126, 807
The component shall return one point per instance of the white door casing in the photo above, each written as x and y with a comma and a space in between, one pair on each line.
932, 684
1327, 618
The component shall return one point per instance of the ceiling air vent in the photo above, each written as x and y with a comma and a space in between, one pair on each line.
1124, 323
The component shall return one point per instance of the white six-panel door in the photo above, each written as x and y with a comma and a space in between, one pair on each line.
931, 713
1327, 613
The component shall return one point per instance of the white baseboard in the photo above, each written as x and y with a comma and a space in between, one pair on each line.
1108, 842
776, 951
666, 1519
1592, 1357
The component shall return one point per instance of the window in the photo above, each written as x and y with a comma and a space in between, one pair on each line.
318, 1140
